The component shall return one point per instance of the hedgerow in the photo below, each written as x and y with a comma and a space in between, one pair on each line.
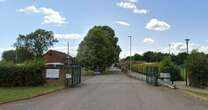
30, 73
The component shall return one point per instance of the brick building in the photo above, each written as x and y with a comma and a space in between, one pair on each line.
55, 63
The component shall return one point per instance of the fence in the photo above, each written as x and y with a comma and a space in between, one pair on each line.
73, 75
152, 75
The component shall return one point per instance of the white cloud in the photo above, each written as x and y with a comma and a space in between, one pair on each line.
126, 53
140, 11
29, 9
134, 1
203, 49
123, 23
68, 36
127, 5
178, 47
148, 40
157, 25
50, 16
131, 5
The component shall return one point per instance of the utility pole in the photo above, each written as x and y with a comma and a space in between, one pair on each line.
16, 57
130, 37
169, 48
187, 50
68, 52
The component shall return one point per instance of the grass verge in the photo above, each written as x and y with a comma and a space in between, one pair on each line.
17, 93
198, 94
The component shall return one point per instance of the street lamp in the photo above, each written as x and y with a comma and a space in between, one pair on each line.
130, 37
187, 45
187, 51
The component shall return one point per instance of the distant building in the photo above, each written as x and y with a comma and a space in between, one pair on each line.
55, 63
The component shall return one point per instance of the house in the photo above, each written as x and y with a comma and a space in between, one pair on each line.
56, 62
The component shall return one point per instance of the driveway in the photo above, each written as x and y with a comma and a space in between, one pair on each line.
111, 92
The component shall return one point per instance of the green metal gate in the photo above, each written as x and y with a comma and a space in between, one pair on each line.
74, 73
152, 74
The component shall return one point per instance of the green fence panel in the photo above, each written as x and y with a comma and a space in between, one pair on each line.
75, 71
152, 75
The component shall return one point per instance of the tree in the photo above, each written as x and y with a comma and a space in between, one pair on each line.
197, 67
99, 48
167, 66
150, 56
9, 55
17, 56
136, 57
180, 58
36, 42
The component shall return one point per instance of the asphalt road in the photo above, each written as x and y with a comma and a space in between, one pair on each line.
111, 92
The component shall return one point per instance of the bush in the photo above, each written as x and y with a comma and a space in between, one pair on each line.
197, 67
143, 68
167, 66
26, 74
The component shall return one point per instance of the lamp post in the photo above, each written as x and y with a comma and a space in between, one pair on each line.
187, 51
130, 37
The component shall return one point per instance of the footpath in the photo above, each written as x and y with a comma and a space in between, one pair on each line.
201, 94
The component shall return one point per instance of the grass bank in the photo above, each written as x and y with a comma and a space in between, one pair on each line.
201, 94
17, 93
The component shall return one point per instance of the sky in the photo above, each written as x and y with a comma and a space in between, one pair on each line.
153, 24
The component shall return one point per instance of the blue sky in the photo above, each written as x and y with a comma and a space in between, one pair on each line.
153, 23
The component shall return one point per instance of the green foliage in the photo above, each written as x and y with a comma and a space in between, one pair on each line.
167, 66
15, 93
136, 57
23, 55
17, 56
26, 74
99, 48
153, 56
36, 42
183, 73
143, 68
9, 56
197, 67
158, 56
180, 58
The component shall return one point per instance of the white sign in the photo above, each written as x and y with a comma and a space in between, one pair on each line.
165, 75
68, 76
52, 73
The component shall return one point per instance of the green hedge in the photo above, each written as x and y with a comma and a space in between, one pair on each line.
197, 69
143, 68
165, 66
27, 74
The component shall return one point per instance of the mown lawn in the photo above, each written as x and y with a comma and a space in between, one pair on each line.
15, 93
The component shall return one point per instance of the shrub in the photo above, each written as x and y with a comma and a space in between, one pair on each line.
26, 74
197, 67
143, 68
167, 66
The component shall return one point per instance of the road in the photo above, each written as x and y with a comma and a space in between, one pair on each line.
111, 92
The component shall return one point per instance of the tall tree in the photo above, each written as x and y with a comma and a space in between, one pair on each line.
99, 48
180, 58
17, 56
149, 56
36, 42
9, 55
